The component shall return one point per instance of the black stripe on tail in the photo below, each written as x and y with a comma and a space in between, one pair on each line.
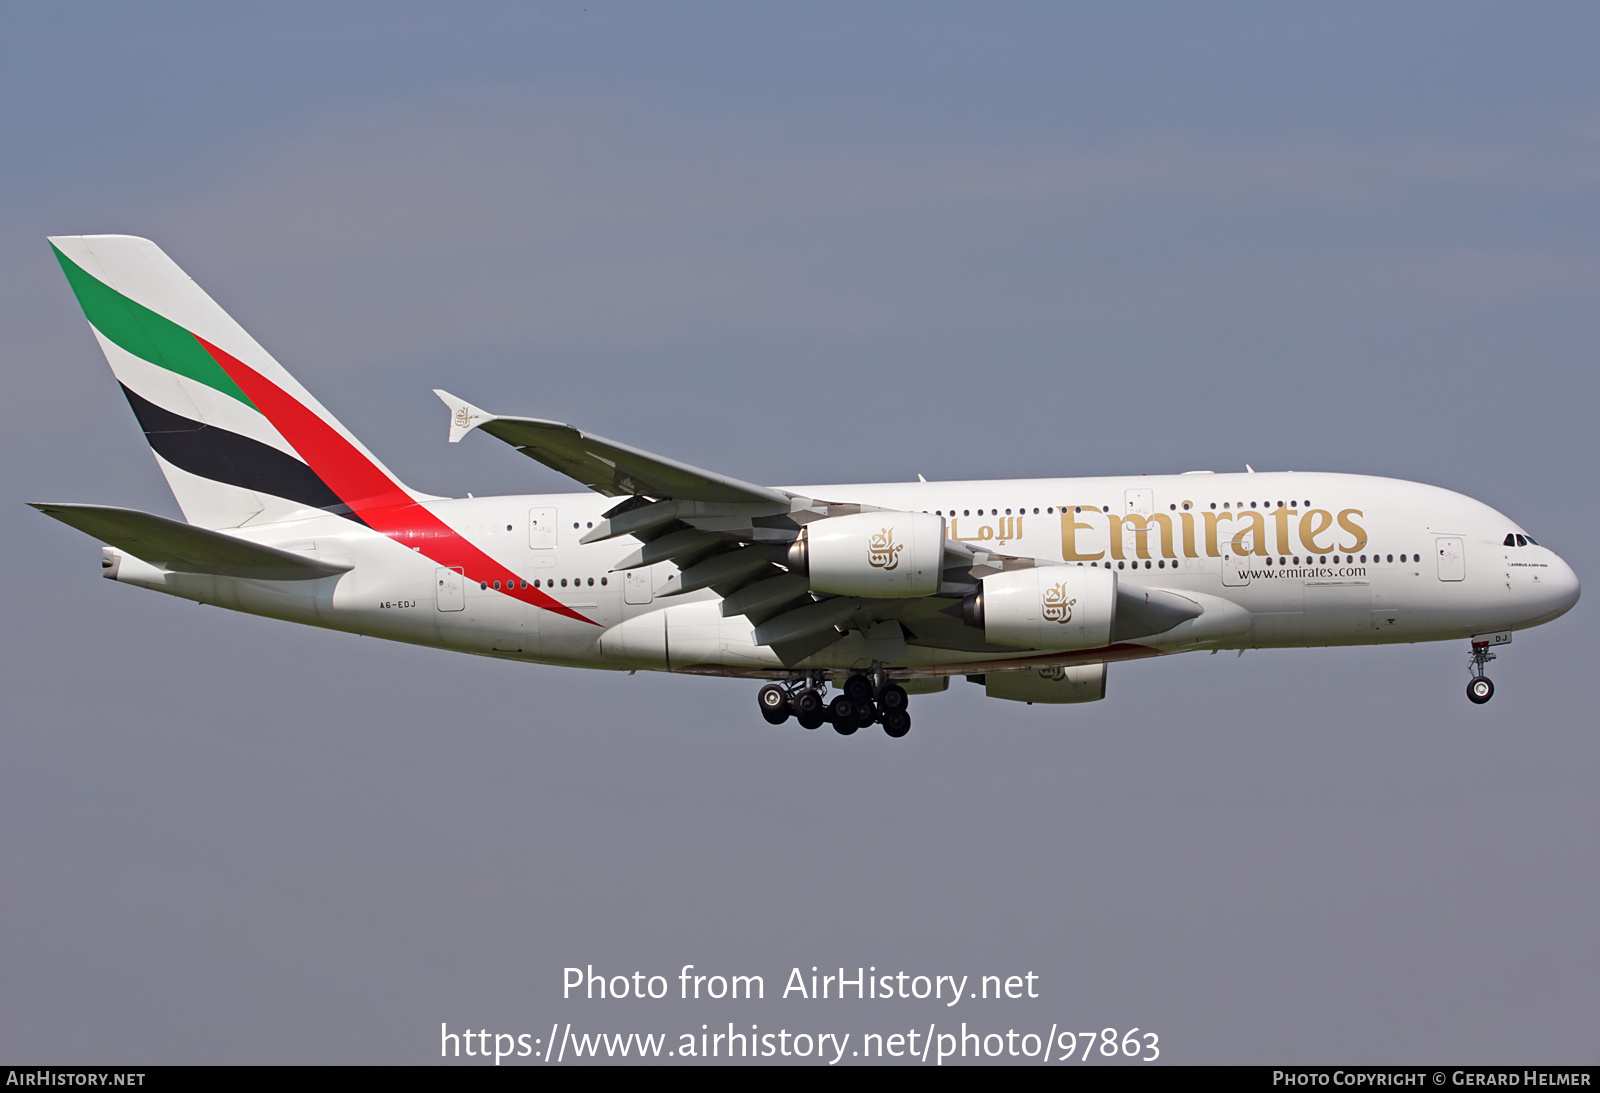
234, 460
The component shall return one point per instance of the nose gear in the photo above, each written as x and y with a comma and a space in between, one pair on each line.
1480, 688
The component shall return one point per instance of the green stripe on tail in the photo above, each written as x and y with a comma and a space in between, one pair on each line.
142, 332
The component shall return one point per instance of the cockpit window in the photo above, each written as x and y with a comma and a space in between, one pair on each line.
1511, 539
1531, 540
1522, 540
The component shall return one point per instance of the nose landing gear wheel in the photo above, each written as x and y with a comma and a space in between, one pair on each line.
1480, 690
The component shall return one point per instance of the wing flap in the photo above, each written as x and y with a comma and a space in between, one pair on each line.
176, 546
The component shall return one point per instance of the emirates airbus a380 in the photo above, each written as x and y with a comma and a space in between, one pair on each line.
1030, 587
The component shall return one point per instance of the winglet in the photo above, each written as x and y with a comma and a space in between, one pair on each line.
464, 417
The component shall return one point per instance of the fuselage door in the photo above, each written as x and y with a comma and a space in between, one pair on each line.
450, 589
1452, 558
1139, 502
541, 529
1234, 573
637, 586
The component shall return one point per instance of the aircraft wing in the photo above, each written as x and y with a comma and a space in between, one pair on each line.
174, 545
608, 468
730, 536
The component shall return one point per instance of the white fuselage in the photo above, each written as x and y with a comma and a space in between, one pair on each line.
1278, 559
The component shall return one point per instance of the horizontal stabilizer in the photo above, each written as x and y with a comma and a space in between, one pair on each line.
180, 547
604, 465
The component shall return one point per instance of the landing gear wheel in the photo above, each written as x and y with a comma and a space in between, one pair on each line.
774, 701
808, 702
1480, 690
896, 723
845, 728
842, 711
866, 715
812, 720
892, 698
858, 688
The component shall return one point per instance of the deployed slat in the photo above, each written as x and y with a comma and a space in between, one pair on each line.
810, 619
765, 594
674, 544
726, 567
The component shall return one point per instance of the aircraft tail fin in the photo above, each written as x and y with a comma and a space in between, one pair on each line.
239, 440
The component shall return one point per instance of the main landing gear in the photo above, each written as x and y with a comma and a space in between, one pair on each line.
860, 703
1480, 688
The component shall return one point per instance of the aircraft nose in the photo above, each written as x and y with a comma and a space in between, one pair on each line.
1566, 589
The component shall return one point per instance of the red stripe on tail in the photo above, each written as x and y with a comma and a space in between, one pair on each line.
379, 500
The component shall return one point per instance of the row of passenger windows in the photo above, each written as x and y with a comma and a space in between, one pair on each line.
1050, 511
1349, 559
1514, 539
511, 586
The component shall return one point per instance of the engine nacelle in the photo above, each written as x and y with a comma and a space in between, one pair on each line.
1074, 683
1047, 607
882, 555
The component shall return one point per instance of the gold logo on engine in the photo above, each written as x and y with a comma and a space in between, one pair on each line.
882, 551
1057, 607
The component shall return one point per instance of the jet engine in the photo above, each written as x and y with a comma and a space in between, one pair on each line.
883, 555
1047, 607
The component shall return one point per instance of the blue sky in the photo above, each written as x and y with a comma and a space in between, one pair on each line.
830, 242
